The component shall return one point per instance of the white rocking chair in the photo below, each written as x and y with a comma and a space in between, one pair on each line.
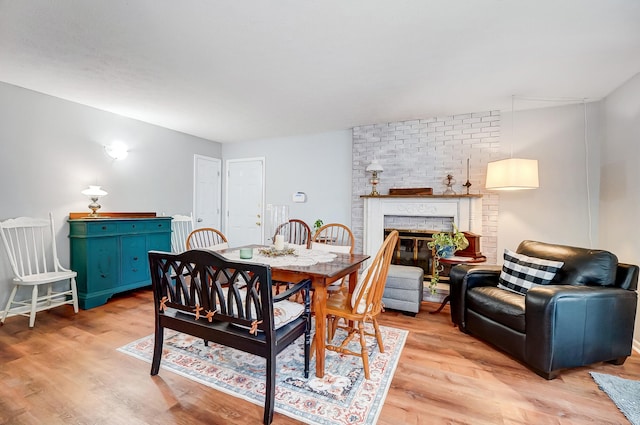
31, 248
181, 227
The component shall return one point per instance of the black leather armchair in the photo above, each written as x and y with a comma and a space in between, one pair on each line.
585, 315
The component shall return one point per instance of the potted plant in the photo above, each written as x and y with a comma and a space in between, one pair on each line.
318, 224
444, 244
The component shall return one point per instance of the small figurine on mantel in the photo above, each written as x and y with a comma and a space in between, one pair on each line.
449, 181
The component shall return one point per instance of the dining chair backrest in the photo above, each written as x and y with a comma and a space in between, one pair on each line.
207, 237
334, 237
296, 232
367, 294
30, 245
181, 227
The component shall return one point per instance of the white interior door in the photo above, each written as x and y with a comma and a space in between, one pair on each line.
207, 186
245, 201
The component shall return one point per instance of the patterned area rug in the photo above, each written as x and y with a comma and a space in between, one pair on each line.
623, 392
343, 396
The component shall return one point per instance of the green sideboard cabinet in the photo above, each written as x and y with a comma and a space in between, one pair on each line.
110, 254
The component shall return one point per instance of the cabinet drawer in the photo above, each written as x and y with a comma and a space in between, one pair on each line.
131, 226
158, 225
101, 228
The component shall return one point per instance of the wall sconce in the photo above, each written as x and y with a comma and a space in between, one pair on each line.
374, 168
512, 173
117, 150
94, 193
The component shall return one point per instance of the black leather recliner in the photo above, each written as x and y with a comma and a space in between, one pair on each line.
585, 315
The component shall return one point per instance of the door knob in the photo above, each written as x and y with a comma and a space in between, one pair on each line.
258, 223
199, 220
258, 215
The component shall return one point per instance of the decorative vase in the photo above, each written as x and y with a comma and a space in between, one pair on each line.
446, 251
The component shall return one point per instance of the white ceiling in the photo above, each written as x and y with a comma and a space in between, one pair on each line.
232, 70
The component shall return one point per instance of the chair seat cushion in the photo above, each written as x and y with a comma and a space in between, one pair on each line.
284, 311
504, 307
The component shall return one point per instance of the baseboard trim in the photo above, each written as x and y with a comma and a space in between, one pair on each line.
636, 346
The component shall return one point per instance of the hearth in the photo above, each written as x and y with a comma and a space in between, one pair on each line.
412, 250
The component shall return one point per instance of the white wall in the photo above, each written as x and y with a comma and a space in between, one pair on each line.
52, 149
558, 211
317, 164
620, 196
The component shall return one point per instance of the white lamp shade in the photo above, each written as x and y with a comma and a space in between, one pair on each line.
94, 192
512, 174
375, 166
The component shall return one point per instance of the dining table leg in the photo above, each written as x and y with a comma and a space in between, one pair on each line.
319, 306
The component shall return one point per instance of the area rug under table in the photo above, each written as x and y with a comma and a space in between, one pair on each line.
343, 396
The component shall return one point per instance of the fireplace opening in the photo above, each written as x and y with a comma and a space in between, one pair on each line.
412, 250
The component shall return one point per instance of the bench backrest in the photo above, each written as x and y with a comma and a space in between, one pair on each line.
204, 284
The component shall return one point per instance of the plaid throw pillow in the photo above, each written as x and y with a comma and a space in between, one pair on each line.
520, 272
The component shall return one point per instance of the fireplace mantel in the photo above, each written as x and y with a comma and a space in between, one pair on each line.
423, 196
464, 210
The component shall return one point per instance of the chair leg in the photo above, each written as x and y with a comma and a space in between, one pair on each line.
9, 302
307, 354
74, 294
157, 350
49, 292
364, 353
34, 303
330, 328
270, 395
378, 335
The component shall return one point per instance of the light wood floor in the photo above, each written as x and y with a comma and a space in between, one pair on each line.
67, 371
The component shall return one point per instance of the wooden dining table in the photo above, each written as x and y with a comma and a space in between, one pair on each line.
321, 275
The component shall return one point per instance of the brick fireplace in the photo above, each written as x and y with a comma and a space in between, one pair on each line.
420, 153
463, 210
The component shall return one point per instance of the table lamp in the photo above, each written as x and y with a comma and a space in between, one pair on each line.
374, 168
94, 193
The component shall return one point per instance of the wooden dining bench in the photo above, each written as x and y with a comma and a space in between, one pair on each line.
200, 293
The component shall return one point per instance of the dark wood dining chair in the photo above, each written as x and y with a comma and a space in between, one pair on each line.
334, 237
207, 237
362, 306
337, 238
296, 232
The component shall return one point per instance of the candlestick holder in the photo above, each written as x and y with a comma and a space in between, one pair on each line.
467, 185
